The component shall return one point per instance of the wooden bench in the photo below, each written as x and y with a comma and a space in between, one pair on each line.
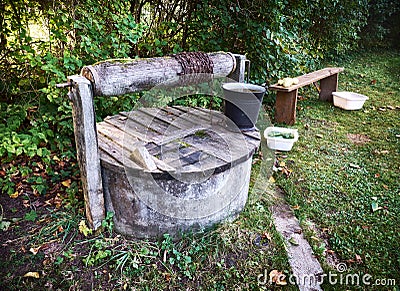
286, 98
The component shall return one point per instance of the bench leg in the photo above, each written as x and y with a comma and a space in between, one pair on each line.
285, 107
327, 86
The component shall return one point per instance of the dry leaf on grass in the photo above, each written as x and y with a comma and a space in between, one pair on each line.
32, 275
277, 277
66, 183
84, 229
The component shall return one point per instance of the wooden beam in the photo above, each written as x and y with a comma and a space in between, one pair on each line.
87, 148
110, 78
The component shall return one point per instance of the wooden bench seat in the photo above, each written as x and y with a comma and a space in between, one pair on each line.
286, 98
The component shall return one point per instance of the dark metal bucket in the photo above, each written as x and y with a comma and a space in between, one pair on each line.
242, 103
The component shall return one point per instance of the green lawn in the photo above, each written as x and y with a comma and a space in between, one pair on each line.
345, 182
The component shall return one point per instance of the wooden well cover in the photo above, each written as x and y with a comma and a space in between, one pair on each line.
179, 139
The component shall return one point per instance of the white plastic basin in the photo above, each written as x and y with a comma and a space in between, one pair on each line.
348, 100
279, 143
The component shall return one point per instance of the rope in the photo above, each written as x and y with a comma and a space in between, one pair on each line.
197, 67
194, 63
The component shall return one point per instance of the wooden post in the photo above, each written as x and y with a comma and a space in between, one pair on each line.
285, 107
87, 148
327, 86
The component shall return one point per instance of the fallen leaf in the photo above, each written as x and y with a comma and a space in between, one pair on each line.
267, 235
277, 277
293, 241
298, 231
56, 201
167, 276
66, 183
26, 203
385, 186
296, 207
4, 225
32, 274
354, 166
84, 229
271, 179
375, 207
34, 250
14, 195
373, 82
377, 175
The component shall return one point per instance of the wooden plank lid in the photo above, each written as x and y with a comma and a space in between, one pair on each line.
173, 140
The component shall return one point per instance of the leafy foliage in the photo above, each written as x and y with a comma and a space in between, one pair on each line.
383, 28
42, 42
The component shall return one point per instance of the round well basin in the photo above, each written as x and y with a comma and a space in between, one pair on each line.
173, 169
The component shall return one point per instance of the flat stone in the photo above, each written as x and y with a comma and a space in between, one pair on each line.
301, 258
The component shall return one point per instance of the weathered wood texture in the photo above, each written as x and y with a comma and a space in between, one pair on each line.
308, 79
87, 149
286, 98
121, 77
327, 86
179, 139
285, 107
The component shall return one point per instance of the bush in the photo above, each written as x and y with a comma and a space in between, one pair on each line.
383, 28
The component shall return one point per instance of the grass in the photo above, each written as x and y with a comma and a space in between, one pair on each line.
347, 194
230, 256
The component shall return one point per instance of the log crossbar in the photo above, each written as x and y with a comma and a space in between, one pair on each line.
286, 98
111, 78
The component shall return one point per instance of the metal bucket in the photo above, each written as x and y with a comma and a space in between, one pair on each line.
242, 103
